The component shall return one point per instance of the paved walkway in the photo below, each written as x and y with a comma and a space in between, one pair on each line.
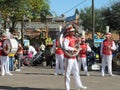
41, 78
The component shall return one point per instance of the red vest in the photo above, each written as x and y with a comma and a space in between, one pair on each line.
1, 47
83, 52
107, 44
72, 42
2, 51
58, 49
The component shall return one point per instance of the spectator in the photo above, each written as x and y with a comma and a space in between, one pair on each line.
42, 47
48, 55
11, 61
19, 55
118, 48
32, 50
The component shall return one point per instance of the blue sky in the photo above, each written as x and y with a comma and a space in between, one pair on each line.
67, 7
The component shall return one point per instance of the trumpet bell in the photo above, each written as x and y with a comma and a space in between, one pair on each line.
68, 53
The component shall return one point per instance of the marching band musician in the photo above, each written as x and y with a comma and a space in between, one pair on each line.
5, 57
8, 33
59, 56
71, 62
11, 55
0, 48
82, 55
107, 46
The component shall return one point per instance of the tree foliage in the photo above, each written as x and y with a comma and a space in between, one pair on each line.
112, 16
115, 16
108, 16
86, 17
36, 7
11, 9
16, 9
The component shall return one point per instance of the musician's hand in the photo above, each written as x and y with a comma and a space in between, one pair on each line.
75, 49
109, 47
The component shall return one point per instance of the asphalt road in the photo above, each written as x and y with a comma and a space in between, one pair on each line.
43, 78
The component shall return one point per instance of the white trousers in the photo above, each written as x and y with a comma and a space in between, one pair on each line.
71, 65
59, 63
107, 59
4, 65
83, 61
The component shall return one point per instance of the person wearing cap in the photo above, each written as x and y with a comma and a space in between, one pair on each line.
5, 58
71, 61
107, 46
82, 55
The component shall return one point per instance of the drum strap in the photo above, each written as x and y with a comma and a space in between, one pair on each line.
6, 48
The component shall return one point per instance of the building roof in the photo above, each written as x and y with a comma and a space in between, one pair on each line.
70, 18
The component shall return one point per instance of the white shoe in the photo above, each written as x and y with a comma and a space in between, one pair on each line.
63, 73
55, 74
82, 88
18, 70
87, 74
102, 75
112, 75
2, 74
10, 74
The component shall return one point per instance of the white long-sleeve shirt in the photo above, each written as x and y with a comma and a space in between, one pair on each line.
32, 49
112, 48
88, 48
66, 45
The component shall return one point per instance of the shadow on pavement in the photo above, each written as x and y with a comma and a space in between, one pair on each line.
38, 74
24, 88
35, 73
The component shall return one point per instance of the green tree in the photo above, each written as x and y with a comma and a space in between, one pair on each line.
12, 10
99, 21
115, 10
107, 16
16, 9
86, 17
112, 16
36, 7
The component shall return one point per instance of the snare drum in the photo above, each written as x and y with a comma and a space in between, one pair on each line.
12, 45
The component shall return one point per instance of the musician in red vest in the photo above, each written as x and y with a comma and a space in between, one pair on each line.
82, 55
59, 56
0, 48
71, 61
107, 46
4, 57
